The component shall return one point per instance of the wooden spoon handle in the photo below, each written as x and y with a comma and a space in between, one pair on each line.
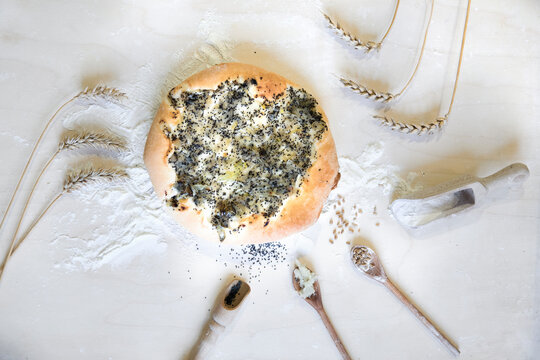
333, 334
424, 320
209, 337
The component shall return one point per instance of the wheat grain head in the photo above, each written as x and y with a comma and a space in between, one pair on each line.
89, 174
349, 38
366, 92
100, 95
77, 139
419, 129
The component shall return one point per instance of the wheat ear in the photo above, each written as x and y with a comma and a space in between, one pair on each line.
78, 178
75, 180
441, 121
352, 40
100, 95
367, 92
78, 139
419, 129
387, 96
349, 38
70, 141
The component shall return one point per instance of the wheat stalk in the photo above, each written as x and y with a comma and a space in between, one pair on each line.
387, 96
71, 141
76, 179
441, 121
99, 95
352, 40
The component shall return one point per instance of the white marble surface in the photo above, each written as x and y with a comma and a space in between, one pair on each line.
476, 276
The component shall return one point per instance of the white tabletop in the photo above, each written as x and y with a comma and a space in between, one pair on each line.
106, 275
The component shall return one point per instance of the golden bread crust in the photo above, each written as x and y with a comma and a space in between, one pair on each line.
297, 213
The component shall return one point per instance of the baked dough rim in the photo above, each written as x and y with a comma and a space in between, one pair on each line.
298, 211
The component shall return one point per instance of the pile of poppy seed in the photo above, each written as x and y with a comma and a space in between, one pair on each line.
251, 260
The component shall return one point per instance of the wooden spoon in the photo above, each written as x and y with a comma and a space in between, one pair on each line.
315, 300
367, 261
221, 318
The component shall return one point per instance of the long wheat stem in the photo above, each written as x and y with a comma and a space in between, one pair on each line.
441, 121
460, 58
30, 159
381, 96
14, 246
28, 200
421, 52
391, 24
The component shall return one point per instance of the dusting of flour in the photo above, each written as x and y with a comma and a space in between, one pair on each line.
127, 221
365, 177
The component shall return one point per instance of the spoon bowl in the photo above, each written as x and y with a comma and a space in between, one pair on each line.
315, 300
367, 261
